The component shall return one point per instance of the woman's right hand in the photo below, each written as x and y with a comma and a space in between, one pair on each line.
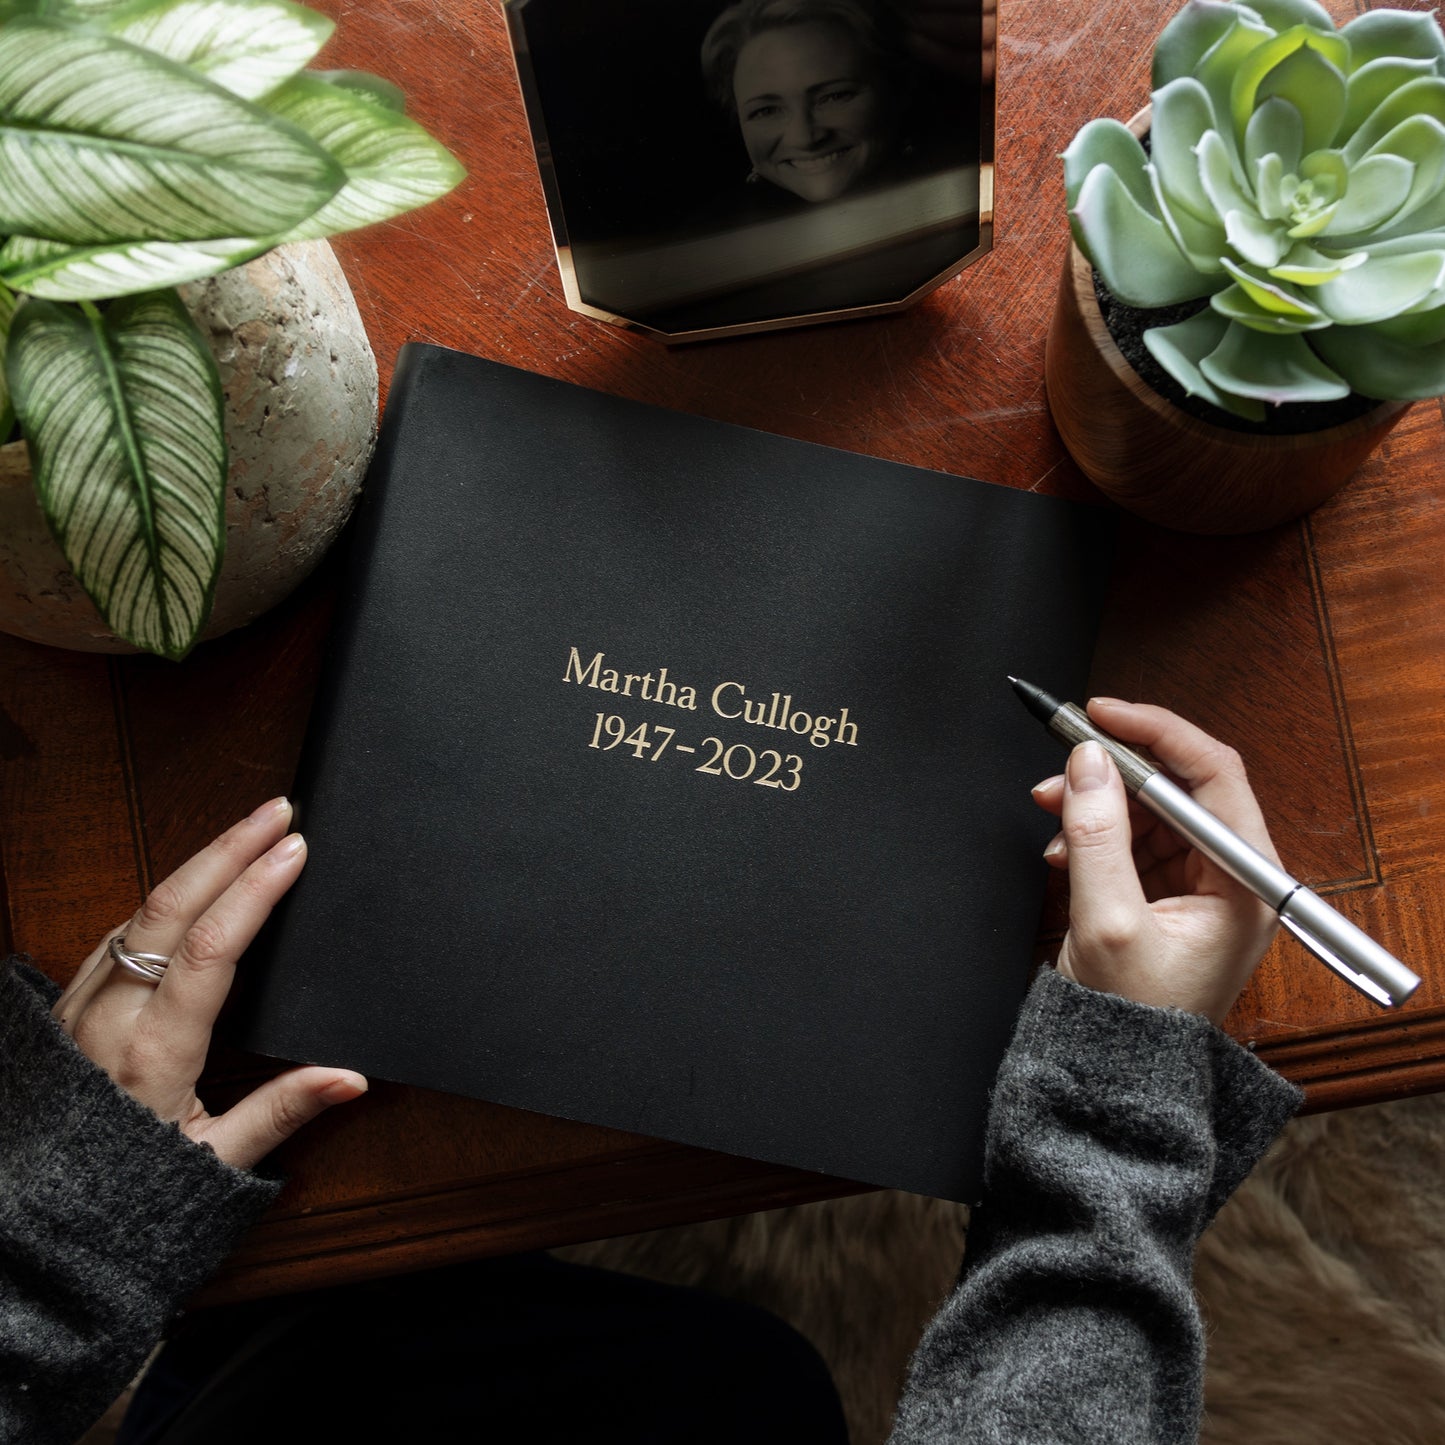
1151, 918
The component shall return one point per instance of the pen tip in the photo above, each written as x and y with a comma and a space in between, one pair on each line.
1040, 703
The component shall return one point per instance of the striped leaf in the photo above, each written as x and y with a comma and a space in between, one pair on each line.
83, 11
392, 165
91, 273
368, 86
247, 46
102, 141
7, 314
122, 413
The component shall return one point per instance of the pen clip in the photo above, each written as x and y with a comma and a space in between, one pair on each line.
1334, 961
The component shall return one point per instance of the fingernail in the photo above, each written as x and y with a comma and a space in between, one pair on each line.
1049, 785
1056, 848
1089, 767
288, 848
339, 1091
267, 811
1107, 702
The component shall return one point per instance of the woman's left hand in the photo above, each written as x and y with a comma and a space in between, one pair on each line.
152, 1038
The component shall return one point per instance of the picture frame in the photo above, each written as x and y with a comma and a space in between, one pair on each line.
715, 169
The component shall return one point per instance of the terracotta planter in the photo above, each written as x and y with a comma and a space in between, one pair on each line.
300, 384
1169, 467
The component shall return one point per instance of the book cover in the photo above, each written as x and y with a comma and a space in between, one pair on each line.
664, 775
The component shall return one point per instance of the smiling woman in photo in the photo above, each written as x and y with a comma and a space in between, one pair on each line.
714, 166
816, 88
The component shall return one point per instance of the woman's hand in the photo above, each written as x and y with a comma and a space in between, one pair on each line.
1149, 917
151, 1038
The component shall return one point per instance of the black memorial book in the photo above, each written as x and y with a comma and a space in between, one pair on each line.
664, 774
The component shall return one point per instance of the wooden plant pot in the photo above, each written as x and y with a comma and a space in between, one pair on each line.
1171, 468
1166, 466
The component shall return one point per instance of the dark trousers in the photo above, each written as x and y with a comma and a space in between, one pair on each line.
523, 1349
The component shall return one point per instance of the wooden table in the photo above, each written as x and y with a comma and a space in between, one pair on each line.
1318, 649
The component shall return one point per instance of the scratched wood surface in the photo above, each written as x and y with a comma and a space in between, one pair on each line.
1318, 649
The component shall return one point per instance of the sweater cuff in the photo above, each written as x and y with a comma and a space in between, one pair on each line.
1114, 1044
94, 1177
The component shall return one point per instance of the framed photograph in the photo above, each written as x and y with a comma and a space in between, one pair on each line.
714, 168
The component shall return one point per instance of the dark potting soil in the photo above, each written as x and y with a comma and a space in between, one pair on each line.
1127, 325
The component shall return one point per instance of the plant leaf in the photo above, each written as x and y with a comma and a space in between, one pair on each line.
1218, 178
1304, 266
90, 273
1203, 242
1108, 143
1405, 245
1259, 242
1269, 188
1380, 33
102, 141
1376, 365
1132, 250
1253, 68
365, 84
1425, 96
1428, 215
1369, 87
1275, 369
248, 46
8, 301
1276, 128
1217, 70
1383, 287
1271, 297
1182, 117
72, 10
1303, 67
1329, 177
1189, 36
1424, 325
1180, 348
122, 414
1281, 15
1236, 304
1421, 141
1377, 187
392, 165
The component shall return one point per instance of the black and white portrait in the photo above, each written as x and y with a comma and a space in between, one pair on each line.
713, 166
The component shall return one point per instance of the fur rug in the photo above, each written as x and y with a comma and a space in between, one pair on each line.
1322, 1284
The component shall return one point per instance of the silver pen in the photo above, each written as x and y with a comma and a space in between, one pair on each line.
1326, 932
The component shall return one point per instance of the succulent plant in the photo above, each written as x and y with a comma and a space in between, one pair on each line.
145, 143
1295, 177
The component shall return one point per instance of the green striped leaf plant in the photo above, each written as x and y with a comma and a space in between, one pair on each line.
145, 144
1294, 182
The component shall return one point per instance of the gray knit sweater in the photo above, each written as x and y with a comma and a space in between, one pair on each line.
1115, 1133
108, 1220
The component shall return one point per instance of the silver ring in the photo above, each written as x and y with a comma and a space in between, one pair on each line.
149, 966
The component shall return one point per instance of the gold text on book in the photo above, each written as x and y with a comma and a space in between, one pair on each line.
768, 769
729, 699
649, 688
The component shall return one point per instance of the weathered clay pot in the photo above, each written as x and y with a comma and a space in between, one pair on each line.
1166, 466
301, 387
